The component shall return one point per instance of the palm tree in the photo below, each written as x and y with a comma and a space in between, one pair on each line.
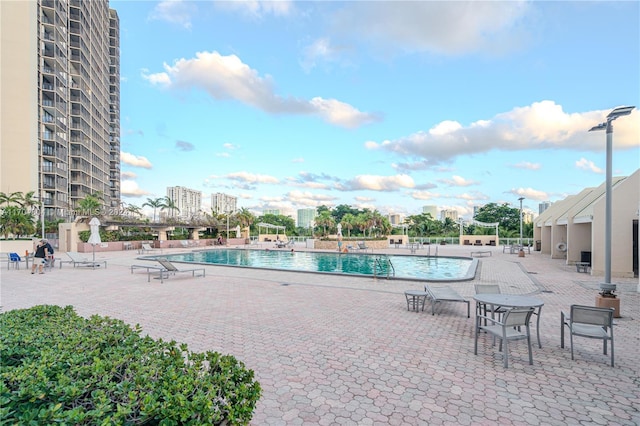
10, 199
90, 204
348, 223
169, 204
325, 220
155, 203
245, 217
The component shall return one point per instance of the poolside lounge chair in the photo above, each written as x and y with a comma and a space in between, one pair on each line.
445, 294
362, 246
169, 268
79, 260
147, 247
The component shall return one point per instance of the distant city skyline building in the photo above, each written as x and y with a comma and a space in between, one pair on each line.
223, 203
432, 210
448, 213
275, 212
543, 206
61, 103
395, 218
188, 201
306, 217
527, 217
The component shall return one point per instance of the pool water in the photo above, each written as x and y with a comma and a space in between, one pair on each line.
424, 268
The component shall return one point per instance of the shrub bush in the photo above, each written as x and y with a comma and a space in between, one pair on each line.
60, 368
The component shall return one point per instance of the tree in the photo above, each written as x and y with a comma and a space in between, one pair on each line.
90, 204
507, 217
325, 220
154, 203
16, 221
348, 222
245, 217
169, 204
10, 199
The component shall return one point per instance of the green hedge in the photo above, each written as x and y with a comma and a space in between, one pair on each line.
60, 368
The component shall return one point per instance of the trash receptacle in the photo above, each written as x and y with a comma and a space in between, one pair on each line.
538, 245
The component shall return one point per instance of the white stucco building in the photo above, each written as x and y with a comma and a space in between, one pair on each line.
573, 228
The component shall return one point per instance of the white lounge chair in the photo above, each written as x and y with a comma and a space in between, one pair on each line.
79, 260
170, 268
147, 248
445, 294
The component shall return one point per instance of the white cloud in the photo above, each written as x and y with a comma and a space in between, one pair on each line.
130, 188
377, 183
258, 8
320, 51
530, 194
542, 125
424, 195
251, 178
228, 78
587, 165
298, 160
135, 161
442, 27
457, 181
176, 12
128, 175
528, 166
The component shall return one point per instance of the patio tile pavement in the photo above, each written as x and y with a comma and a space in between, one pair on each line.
332, 350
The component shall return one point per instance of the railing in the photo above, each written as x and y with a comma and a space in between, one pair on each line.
383, 265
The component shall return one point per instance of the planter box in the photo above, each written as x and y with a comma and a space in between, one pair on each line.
609, 302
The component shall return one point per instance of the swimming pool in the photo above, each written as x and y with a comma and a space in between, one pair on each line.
423, 268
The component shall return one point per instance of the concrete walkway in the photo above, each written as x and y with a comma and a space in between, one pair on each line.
332, 350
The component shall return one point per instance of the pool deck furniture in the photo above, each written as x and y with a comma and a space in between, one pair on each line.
151, 269
147, 248
415, 299
445, 294
509, 328
79, 260
588, 321
512, 301
583, 267
169, 268
481, 253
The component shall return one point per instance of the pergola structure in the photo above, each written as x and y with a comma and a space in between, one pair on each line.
269, 226
493, 239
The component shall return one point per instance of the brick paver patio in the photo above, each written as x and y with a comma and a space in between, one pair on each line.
333, 350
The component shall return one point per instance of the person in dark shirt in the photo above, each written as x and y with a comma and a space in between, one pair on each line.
40, 257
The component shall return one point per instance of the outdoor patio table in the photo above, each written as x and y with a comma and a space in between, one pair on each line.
512, 301
415, 298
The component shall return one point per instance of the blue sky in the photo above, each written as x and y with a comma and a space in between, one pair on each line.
387, 105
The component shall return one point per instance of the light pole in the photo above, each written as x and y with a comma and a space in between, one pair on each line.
520, 199
607, 287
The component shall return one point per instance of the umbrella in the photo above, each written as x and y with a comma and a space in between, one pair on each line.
94, 238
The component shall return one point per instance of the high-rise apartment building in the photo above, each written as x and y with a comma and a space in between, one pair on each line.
187, 202
223, 203
60, 106
432, 210
543, 206
451, 214
395, 218
306, 218
275, 212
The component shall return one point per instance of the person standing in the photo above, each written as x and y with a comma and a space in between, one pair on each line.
40, 257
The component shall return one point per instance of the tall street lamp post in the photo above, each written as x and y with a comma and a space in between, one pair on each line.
607, 287
520, 199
